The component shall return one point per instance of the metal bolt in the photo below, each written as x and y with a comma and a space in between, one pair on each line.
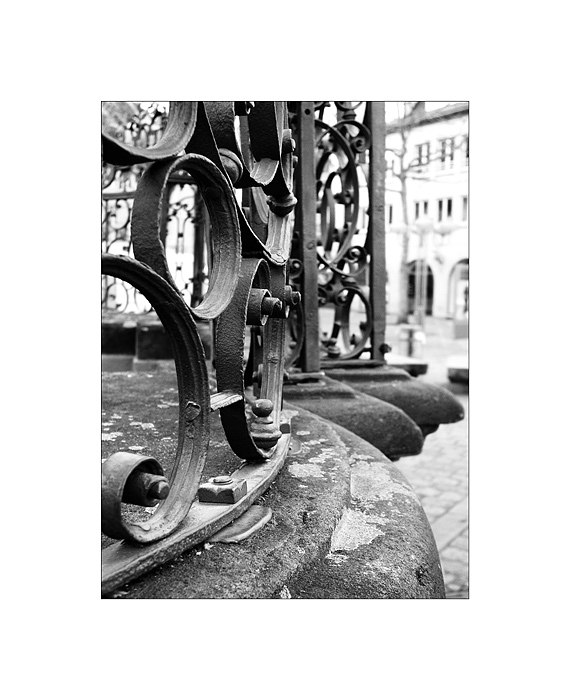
292, 297
159, 489
270, 306
262, 408
224, 479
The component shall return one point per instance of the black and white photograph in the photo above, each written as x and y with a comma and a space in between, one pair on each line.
285, 350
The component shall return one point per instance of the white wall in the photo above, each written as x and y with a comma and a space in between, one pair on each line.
442, 252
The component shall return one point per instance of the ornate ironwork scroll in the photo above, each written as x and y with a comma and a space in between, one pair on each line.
184, 224
345, 202
248, 250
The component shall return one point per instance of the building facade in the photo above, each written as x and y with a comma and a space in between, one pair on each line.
427, 198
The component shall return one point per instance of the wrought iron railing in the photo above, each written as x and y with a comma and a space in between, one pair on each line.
230, 213
248, 246
338, 250
184, 226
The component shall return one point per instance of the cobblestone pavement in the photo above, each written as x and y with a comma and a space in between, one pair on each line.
439, 475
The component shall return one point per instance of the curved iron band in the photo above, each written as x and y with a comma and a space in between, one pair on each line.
230, 348
280, 224
115, 472
178, 132
353, 179
273, 338
267, 121
226, 240
361, 141
221, 116
347, 106
204, 143
342, 320
193, 396
327, 210
123, 561
350, 259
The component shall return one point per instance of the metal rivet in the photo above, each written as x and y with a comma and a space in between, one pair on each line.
222, 480
262, 408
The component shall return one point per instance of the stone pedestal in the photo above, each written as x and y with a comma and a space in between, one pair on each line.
345, 523
426, 404
380, 423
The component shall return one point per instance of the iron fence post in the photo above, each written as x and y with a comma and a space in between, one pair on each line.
306, 213
376, 239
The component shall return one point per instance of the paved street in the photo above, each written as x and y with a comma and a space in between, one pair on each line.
439, 475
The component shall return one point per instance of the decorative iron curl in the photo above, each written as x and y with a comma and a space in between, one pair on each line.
226, 241
194, 412
216, 169
177, 133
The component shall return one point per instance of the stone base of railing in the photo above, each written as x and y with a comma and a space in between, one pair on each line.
345, 524
382, 424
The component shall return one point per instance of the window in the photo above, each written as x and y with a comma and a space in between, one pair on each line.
444, 209
466, 151
420, 209
465, 208
446, 153
422, 154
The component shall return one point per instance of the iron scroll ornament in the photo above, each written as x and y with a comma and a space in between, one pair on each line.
250, 291
341, 246
226, 241
194, 412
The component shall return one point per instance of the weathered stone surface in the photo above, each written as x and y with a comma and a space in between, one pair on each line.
383, 546
385, 426
116, 363
426, 404
308, 499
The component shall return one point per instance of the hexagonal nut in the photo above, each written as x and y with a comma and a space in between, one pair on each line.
222, 493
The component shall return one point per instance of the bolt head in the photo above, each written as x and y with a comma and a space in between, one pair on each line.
159, 490
224, 479
262, 408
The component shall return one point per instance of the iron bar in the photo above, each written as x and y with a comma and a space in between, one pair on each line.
376, 239
306, 214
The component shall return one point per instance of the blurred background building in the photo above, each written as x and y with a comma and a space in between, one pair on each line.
427, 212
